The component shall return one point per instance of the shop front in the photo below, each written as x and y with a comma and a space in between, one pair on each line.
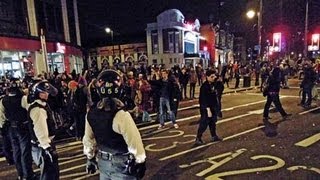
15, 64
21, 57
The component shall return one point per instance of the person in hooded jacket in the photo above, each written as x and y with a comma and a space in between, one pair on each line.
272, 93
309, 80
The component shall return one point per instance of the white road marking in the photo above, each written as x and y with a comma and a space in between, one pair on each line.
66, 162
309, 141
72, 168
68, 144
70, 176
209, 144
310, 110
71, 157
294, 168
70, 148
87, 176
198, 116
178, 120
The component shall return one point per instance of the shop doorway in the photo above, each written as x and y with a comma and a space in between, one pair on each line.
56, 62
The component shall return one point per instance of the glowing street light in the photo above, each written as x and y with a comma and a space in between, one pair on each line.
107, 29
251, 14
110, 31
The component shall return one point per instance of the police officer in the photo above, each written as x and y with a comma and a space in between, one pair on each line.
209, 106
14, 107
111, 134
43, 129
4, 128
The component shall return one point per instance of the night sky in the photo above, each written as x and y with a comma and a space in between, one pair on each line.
129, 18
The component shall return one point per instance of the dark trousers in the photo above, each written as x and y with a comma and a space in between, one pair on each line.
200, 80
276, 101
7, 147
49, 170
205, 121
237, 82
80, 124
219, 107
174, 107
21, 145
184, 91
306, 92
192, 89
257, 79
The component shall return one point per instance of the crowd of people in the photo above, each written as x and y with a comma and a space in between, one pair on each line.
33, 110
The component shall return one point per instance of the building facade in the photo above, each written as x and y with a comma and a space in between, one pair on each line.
224, 47
172, 41
39, 36
129, 54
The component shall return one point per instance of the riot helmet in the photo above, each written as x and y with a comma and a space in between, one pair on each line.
15, 86
38, 87
109, 84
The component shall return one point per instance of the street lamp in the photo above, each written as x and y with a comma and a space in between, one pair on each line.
250, 15
110, 31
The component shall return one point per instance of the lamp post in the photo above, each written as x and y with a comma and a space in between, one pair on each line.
305, 49
110, 31
251, 14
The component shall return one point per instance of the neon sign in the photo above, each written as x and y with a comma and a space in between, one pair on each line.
60, 48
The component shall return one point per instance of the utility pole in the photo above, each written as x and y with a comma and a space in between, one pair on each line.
260, 28
305, 50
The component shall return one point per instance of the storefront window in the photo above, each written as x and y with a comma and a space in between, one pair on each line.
78, 65
56, 61
12, 64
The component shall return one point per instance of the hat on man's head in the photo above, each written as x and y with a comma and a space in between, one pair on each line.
82, 81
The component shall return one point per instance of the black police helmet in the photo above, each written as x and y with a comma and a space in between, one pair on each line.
109, 84
39, 87
14, 85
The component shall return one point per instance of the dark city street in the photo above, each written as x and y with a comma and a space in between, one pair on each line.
250, 149
159, 90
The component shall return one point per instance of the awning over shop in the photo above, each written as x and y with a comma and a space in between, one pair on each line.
194, 55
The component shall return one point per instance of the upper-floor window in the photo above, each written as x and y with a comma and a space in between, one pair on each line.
154, 42
171, 41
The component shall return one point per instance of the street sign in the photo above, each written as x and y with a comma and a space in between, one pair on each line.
256, 47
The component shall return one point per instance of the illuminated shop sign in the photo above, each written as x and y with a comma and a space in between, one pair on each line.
190, 37
60, 48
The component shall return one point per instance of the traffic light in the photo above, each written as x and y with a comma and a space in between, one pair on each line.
315, 42
276, 42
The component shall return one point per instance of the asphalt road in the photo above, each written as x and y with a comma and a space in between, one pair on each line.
249, 150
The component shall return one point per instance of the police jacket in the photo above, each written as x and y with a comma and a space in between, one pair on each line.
208, 96
13, 108
43, 123
112, 133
